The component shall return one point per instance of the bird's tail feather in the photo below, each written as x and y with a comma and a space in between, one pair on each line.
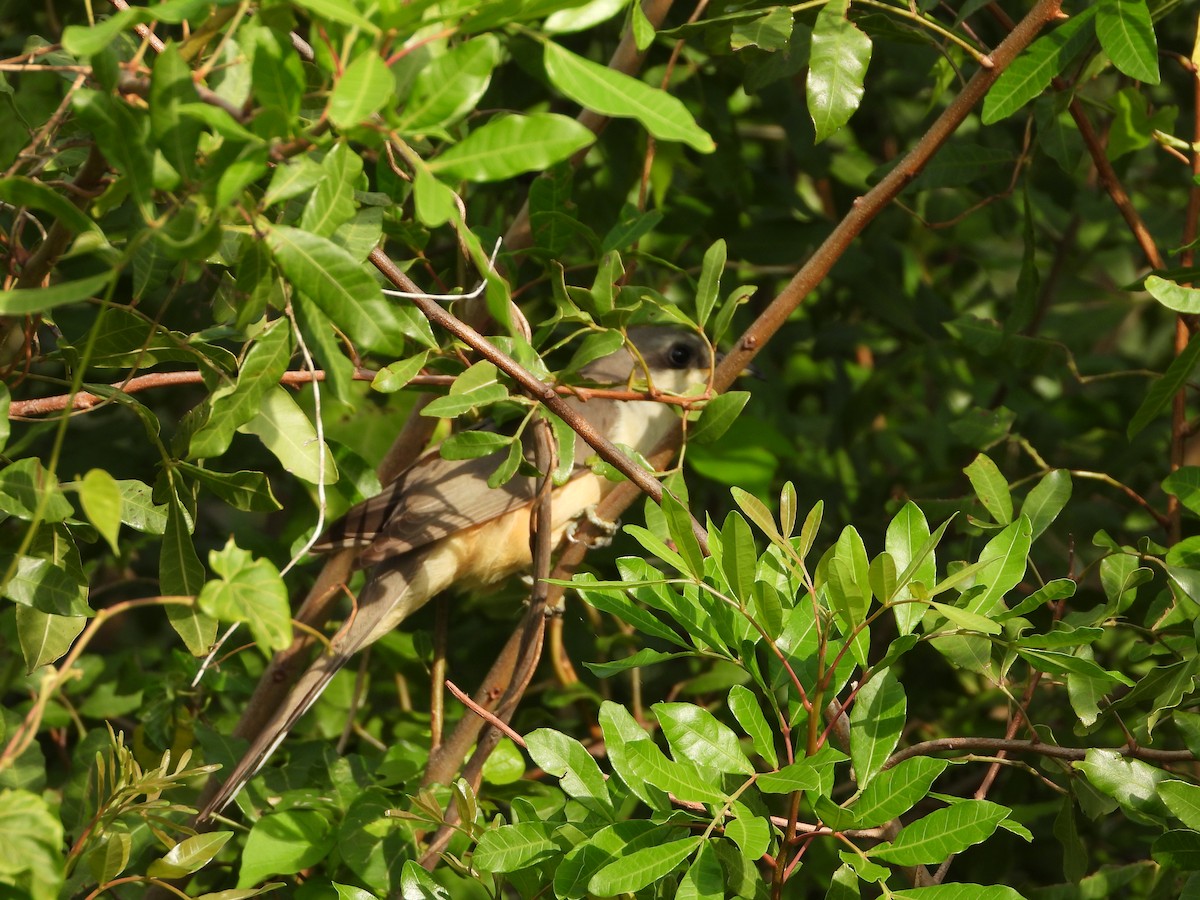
381, 602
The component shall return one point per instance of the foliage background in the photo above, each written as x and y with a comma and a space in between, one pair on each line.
999, 306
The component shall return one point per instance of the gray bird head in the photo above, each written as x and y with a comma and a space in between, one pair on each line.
672, 358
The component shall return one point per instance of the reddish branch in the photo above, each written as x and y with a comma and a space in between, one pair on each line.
83, 400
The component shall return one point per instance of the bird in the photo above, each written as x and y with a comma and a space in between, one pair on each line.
438, 525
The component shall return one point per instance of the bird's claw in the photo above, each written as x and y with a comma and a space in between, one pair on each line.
605, 527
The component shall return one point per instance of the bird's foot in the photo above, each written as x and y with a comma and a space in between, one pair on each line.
605, 528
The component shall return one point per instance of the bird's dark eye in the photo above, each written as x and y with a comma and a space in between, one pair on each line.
679, 356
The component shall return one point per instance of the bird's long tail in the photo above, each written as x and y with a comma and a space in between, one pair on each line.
381, 606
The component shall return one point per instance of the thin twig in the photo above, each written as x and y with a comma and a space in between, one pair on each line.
1053, 751
486, 714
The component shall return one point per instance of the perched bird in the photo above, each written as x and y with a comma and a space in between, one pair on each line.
439, 524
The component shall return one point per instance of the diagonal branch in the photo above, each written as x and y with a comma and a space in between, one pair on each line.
871, 204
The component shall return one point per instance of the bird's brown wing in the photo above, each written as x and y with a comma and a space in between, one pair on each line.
433, 498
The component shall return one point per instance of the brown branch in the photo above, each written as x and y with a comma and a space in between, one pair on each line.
142, 29
84, 400
1053, 751
871, 204
486, 714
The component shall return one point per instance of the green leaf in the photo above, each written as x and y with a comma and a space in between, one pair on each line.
1051, 592
633, 872
507, 469
1066, 664
749, 715
248, 491
1184, 483
704, 879
284, 843
453, 405
339, 11
711, 270
895, 791
769, 32
942, 833
877, 719
180, 573
417, 884
473, 444
82, 40
717, 417
621, 730
110, 857
680, 778
1005, 559
45, 637
24, 301
249, 590
959, 891
658, 547
750, 832
612, 93
365, 88
1183, 799
1126, 33
644, 657
121, 133
510, 848
615, 602
1131, 782
45, 586
967, 620
1165, 387
569, 761
1032, 71
172, 88
331, 204
739, 557
799, 776
20, 191
451, 85
512, 144
286, 431
394, 376
435, 202
991, 487
339, 286
1178, 849
837, 66
189, 855
1047, 500
233, 405
679, 524
695, 735
100, 497
31, 834
1173, 296
138, 509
